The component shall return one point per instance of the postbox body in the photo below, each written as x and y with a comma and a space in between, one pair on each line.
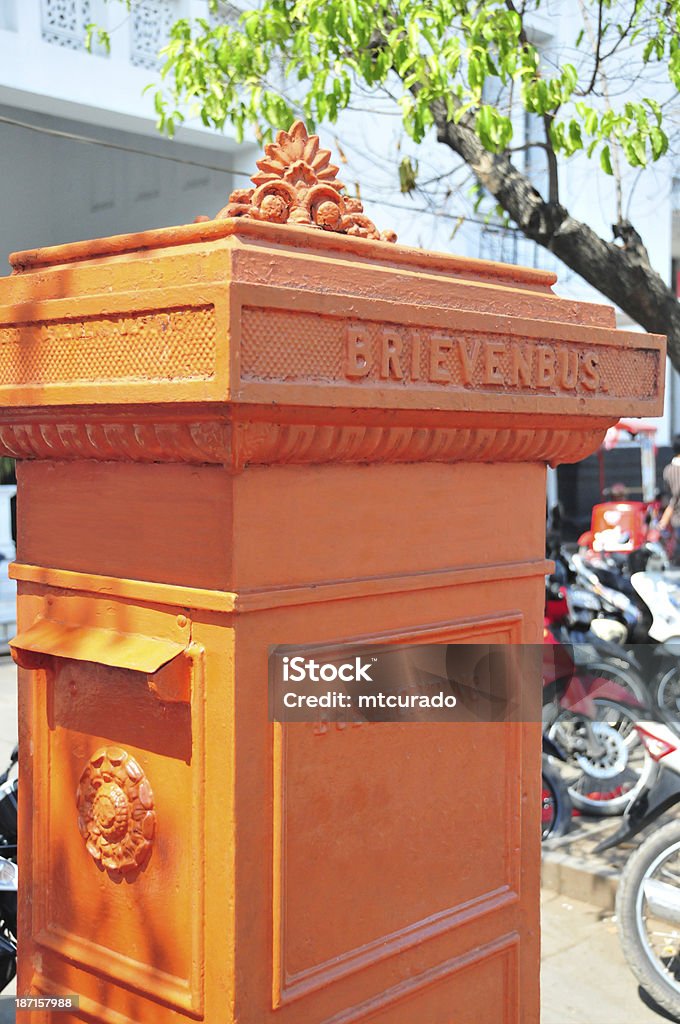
235, 435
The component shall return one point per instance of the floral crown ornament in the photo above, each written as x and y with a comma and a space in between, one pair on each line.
296, 184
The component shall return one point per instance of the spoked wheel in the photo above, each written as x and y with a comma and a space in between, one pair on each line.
667, 694
556, 804
8, 959
648, 916
602, 785
635, 690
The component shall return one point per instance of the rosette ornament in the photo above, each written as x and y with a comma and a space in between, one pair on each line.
296, 184
115, 810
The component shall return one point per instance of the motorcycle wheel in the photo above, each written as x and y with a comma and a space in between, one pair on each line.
556, 805
650, 889
8, 958
606, 787
623, 676
667, 692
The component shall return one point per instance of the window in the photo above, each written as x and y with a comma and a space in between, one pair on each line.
150, 24
64, 22
8, 15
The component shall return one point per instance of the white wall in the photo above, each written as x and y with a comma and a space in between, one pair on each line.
38, 74
57, 190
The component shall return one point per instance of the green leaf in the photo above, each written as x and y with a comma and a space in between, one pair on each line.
575, 136
590, 122
639, 150
606, 160
408, 175
658, 141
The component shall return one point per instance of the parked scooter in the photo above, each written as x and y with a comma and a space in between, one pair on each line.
605, 580
8, 872
648, 899
597, 619
660, 592
556, 807
652, 663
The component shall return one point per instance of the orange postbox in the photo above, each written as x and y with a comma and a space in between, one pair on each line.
278, 428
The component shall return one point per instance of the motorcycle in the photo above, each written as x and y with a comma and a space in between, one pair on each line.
592, 718
651, 615
606, 582
660, 592
556, 806
597, 620
648, 898
8, 872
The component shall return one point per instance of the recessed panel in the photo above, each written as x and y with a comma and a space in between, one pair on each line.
389, 824
121, 771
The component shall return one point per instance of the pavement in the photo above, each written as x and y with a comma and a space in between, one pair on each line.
584, 977
571, 867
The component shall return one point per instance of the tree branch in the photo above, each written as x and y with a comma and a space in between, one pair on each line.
596, 66
620, 272
553, 170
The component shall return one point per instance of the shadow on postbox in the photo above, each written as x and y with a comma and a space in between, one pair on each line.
405, 683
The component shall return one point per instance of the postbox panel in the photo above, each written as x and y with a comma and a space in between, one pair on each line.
140, 929
393, 876
116, 802
391, 889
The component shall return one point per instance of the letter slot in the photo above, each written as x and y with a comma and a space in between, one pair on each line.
168, 666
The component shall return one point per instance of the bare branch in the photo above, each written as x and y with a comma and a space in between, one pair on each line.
598, 43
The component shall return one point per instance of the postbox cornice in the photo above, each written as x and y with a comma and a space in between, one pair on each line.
238, 436
291, 236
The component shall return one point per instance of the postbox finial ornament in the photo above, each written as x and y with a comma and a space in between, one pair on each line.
115, 810
296, 184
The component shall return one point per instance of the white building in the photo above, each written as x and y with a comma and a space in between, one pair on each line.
54, 94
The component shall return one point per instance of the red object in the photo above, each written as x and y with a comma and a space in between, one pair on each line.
577, 689
617, 526
611, 795
556, 609
657, 748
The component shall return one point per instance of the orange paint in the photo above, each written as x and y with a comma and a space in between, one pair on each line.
235, 434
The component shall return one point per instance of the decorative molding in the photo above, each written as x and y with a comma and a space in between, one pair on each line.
505, 950
111, 441
268, 443
239, 443
115, 811
297, 184
266, 598
173, 344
